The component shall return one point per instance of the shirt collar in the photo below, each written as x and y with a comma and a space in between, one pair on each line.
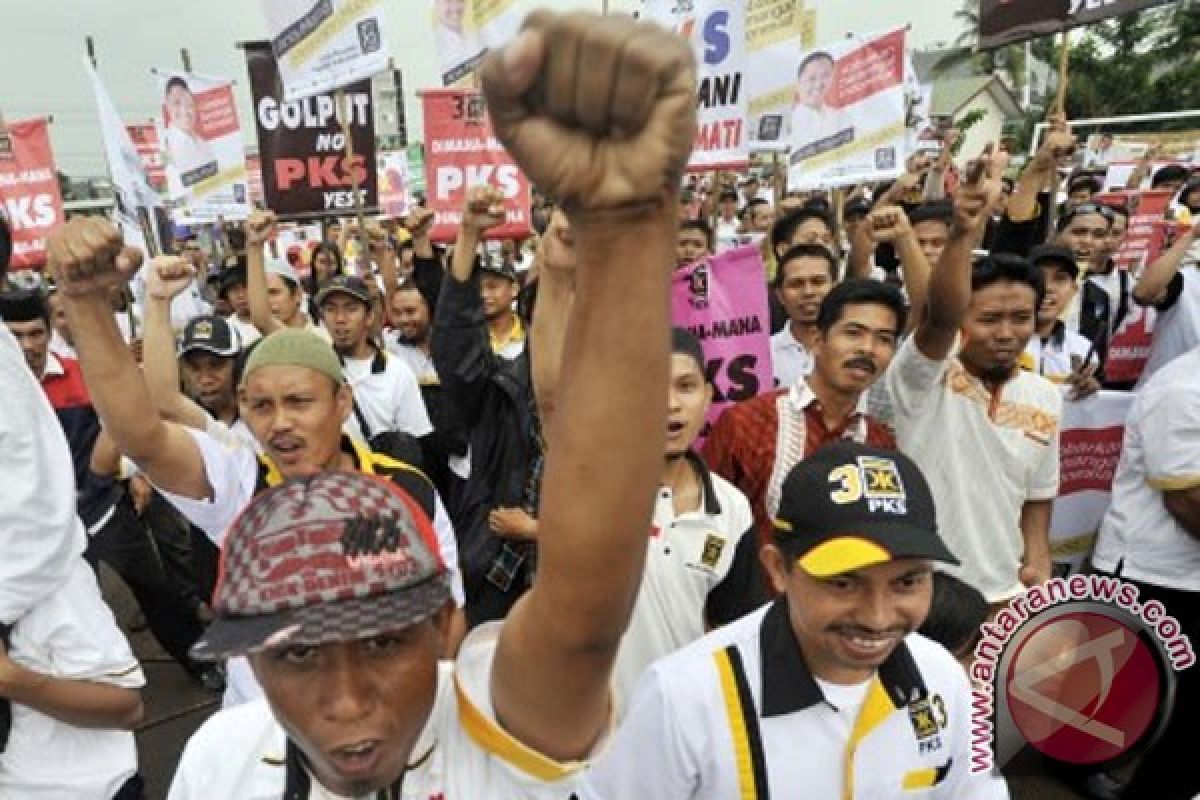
788, 685
54, 366
801, 396
1058, 334
712, 506
515, 334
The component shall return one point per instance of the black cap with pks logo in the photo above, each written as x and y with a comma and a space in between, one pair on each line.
850, 506
211, 334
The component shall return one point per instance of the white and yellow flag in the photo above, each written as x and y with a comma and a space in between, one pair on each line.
777, 34
464, 30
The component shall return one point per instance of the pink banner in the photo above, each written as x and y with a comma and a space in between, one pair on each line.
723, 301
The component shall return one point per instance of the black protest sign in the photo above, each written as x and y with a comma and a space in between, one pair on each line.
302, 146
1003, 22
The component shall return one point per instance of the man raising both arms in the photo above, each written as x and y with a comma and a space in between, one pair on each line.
532, 697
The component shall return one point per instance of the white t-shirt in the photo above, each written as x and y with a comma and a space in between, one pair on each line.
248, 332
1176, 330
789, 358
983, 455
1161, 452
387, 395
678, 741
239, 753
70, 635
727, 234
687, 557
416, 359
41, 531
1051, 358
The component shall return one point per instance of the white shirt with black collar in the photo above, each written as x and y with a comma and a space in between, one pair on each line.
701, 570
737, 714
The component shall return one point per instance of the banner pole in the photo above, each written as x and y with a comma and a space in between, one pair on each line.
364, 256
1064, 63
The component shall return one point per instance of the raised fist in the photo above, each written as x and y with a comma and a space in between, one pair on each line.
484, 209
419, 221
167, 276
87, 256
888, 224
260, 225
599, 111
975, 199
1056, 149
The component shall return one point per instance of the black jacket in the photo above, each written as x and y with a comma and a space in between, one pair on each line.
493, 398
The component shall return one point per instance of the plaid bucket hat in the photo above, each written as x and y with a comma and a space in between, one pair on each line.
333, 557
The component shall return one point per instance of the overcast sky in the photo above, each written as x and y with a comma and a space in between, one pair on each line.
43, 43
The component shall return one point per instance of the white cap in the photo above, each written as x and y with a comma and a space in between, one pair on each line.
278, 265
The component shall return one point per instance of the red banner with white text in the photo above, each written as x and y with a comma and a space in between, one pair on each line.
462, 152
29, 192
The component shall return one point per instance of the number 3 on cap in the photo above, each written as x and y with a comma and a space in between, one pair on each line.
850, 481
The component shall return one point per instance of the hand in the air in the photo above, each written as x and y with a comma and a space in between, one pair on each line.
483, 210
888, 224
87, 256
168, 276
260, 226
599, 111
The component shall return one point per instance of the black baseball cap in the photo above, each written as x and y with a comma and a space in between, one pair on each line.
850, 506
210, 334
497, 266
1055, 253
352, 285
231, 277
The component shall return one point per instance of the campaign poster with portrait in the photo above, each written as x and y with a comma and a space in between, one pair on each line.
464, 30
325, 44
395, 190
777, 34
848, 122
201, 141
716, 30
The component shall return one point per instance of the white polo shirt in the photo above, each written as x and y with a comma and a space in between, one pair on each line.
70, 635
462, 754
737, 714
700, 571
1051, 357
1176, 330
1161, 452
984, 455
387, 395
789, 358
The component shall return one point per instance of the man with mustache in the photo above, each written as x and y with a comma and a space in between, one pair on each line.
755, 443
828, 688
963, 407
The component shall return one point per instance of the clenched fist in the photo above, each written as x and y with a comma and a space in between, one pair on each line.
167, 276
888, 224
599, 111
260, 226
483, 210
87, 256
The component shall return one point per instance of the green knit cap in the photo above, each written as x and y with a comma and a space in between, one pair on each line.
295, 347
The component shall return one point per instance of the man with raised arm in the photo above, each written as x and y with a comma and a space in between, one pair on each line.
607, 130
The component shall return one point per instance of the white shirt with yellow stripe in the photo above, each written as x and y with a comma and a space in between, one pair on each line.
463, 753
738, 716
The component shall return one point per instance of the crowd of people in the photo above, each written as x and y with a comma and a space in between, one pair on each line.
449, 522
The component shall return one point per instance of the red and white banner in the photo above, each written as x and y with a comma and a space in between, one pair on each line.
29, 192
145, 141
462, 152
1145, 241
1090, 438
723, 301
254, 178
202, 148
849, 119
